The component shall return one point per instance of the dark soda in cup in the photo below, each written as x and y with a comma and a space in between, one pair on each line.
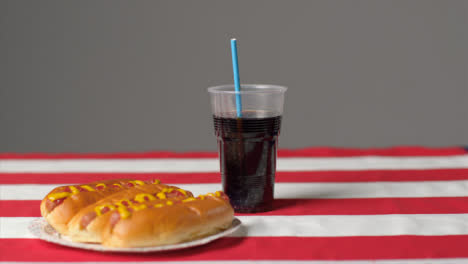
248, 142
247, 149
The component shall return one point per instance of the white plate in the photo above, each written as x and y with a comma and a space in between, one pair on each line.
41, 229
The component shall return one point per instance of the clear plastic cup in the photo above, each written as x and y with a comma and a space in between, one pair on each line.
247, 145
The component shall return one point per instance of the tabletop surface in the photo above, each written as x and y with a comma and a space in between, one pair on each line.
392, 205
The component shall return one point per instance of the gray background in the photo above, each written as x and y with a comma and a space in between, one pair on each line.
87, 76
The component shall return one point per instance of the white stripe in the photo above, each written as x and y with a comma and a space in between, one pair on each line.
314, 225
212, 165
291, 190
409, 261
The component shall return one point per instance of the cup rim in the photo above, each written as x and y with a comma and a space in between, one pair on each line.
259, 88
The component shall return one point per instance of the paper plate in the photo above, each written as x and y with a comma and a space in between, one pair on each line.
41, 229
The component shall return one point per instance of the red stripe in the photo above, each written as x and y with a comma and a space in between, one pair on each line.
71, 178
143, 155
259, 248
369, 206
355, 206
20, 208
305, 152
282, 176
351, 152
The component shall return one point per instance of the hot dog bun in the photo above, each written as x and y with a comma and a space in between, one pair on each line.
169, 224
63, 202
87, 224
138, 214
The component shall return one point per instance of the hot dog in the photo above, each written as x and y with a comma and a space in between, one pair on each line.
63, 202
87, 224
168, 222
135, 213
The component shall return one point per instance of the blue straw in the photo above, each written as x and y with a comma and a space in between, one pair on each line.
235, 68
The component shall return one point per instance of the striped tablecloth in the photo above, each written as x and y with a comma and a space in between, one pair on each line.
394, 205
